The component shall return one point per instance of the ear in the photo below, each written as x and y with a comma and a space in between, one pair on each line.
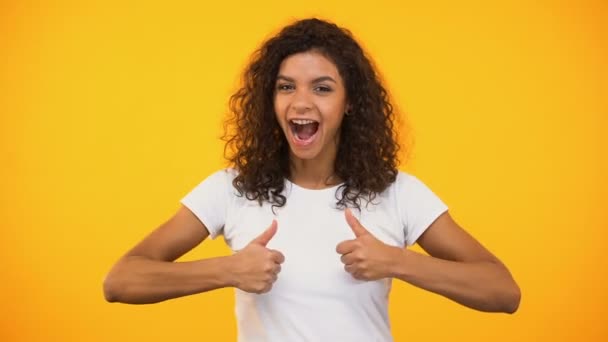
348, 108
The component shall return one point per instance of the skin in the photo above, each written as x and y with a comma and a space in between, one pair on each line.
309, 86
148, 272
457, 266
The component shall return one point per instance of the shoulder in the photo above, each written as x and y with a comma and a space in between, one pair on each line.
408, 187
219, 182
403, 177
229, 173
222, 176
404, 181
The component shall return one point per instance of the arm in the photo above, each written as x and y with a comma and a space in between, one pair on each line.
148, 273
459, 268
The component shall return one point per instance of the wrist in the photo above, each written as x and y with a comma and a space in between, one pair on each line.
401, 267
226, 269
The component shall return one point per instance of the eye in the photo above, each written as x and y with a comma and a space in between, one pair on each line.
322, 89
285, 87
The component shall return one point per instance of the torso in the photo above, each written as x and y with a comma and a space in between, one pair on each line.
314, 298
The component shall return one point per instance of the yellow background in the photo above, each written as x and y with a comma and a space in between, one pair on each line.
111, 112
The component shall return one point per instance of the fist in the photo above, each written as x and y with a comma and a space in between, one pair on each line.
256, 267
365, 257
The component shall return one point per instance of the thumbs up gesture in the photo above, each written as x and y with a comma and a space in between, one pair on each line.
365, 257
255, 267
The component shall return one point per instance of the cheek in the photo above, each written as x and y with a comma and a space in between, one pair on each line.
280, 105
334, 117
277, 111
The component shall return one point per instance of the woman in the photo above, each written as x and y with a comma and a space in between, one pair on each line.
314, 208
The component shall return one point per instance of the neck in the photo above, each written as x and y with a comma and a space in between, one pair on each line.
308, 174
318, 172
315, 173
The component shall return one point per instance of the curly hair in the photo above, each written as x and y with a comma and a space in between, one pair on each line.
366, 159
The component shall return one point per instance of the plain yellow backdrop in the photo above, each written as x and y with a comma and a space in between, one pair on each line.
111, 111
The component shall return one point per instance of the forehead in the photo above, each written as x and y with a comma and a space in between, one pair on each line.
308, 65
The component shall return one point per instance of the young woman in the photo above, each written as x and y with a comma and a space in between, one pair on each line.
314, 208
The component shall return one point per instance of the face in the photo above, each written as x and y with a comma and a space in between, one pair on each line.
310, 101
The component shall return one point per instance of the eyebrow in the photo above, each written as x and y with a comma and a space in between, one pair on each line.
316, 80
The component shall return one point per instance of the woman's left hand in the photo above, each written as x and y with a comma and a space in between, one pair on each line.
365, 257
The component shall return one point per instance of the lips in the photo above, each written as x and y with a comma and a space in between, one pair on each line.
304, 131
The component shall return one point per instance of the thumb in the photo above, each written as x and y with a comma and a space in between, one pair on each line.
354, 224
267, 235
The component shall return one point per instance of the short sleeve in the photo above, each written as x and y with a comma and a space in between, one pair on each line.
210, 200
419, 207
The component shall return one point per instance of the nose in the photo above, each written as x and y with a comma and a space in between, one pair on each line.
302, 101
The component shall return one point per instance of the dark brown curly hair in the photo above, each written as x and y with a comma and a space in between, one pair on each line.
366, 160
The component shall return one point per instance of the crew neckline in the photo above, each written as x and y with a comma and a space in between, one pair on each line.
296, 186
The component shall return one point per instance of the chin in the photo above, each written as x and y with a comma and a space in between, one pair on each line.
304, 155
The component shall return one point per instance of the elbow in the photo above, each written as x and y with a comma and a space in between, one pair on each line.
500, 300
512, 299
111, 289
119, 286
117, 283
507, 294
115, 286
504, 299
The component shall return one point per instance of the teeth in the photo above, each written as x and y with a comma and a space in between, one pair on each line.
302, 122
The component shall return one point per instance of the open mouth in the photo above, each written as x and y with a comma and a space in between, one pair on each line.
304, 130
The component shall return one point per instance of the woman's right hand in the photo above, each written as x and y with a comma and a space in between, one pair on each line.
255, 267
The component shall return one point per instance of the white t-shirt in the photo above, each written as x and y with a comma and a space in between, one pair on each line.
314, 298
